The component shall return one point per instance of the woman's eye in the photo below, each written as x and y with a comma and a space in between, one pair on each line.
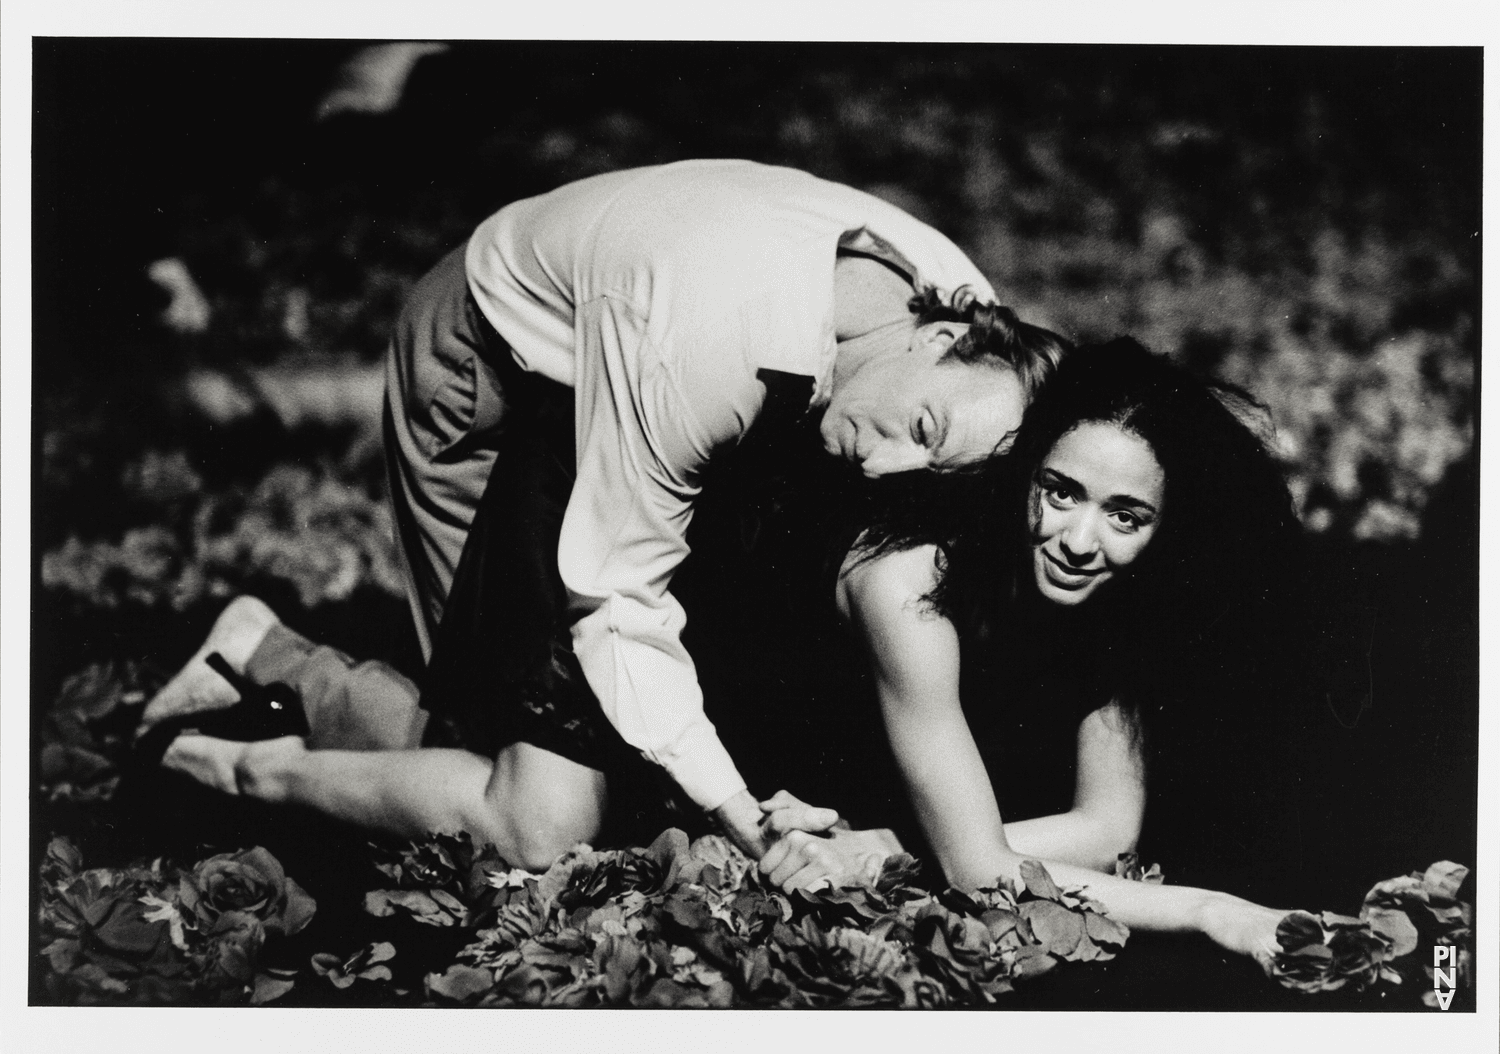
1057, 494
1126, 521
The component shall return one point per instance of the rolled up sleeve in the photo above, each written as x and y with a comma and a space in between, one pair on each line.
640, 452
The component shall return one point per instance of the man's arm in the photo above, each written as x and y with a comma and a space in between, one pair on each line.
648, 421
640, 446
640, 451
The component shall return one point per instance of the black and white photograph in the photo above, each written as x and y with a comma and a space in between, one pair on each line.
933, 522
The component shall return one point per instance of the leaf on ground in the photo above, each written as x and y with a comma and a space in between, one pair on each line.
342, 973
1445, 877
127, 933
76, 763
691, 913
62, 953
1059, 929
1299, 930
1395, 926
300, 908
451, 904
1038, 882
160, 910
326, 963
714, 850
460, 982
63, 858
1334, 921
899, 869
1032, 961
515, 878
525, 985
269, 988
417, 902
1105, 930
669, 994
91, 693
670, 851
1128, 866
1000, 922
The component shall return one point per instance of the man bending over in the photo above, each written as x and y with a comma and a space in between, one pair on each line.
555, 391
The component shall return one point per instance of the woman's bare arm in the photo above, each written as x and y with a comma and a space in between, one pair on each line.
916, 662
915, 658
1109, 799
915, 654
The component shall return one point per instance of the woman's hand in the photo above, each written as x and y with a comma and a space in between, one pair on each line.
812, 848
799, 859
1240, 926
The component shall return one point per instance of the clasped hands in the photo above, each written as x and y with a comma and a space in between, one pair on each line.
811, 848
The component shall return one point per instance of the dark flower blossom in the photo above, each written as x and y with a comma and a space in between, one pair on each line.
246, 885
159, 935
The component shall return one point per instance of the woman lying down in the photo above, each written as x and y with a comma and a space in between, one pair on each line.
1133, 511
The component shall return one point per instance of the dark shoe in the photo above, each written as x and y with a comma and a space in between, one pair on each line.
263, 712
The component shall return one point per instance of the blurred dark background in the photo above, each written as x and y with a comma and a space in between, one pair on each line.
224, 230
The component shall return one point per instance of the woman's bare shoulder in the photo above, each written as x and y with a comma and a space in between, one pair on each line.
885, 585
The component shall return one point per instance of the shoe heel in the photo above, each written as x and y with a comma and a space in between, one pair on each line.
263, 712
238, 682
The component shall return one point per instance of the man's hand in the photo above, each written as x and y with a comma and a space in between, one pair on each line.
801, 846
739, 818
799, 860
811, 847
785, 812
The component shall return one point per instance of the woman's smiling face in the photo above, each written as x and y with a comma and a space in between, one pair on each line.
1096, 503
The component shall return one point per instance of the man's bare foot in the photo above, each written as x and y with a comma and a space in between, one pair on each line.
212, 762
250, 769
235, 635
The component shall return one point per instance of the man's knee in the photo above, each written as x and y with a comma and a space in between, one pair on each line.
537, 843
357, 706
542, 805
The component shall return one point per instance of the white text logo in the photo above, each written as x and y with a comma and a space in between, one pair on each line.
1442, 977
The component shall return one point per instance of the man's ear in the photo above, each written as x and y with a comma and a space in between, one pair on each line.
936, 338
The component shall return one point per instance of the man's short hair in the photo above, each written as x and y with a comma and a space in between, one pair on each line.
996, 337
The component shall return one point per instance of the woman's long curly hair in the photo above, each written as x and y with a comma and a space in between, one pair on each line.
1224, 543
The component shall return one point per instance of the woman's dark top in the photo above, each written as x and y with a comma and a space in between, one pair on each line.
788, 685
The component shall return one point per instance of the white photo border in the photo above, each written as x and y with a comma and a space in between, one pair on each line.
1334, 22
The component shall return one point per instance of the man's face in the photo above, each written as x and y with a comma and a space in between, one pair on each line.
907, 410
